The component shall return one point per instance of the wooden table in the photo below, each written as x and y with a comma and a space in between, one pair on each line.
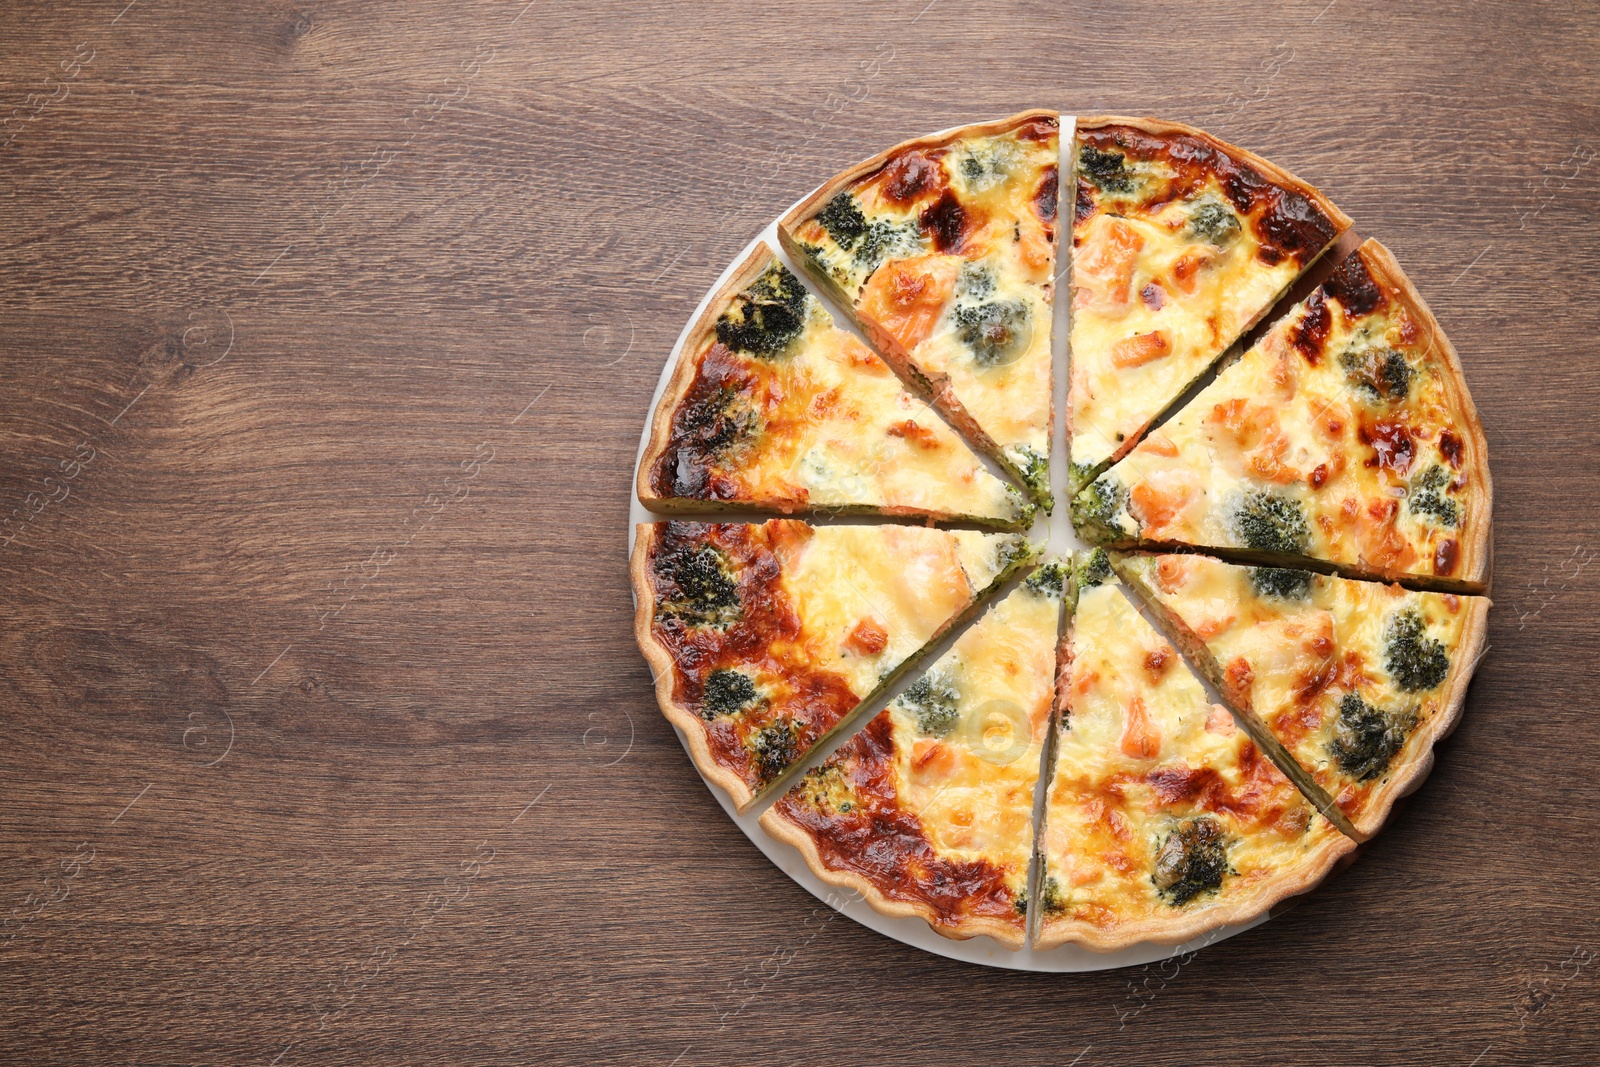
328, 330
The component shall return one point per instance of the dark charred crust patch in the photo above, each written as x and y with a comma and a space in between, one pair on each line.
850, 810
1038, 130
714, 414
1292, 226
1310, 332
1287, 222
1444, 557
945, 221
1353, 287
1049, 191
1083, 207
910, 175
1450, 448
1393, 447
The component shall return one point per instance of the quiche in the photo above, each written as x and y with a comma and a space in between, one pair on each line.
764, 638
773, 407
928, 811
942, 249
1180, 243
1163, 819
1355, 679
1345, 435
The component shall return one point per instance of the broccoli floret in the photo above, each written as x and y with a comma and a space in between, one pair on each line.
1378, 373
1415, 661
1427, 497
1191, 860
1049, 580
933, 701
1078, 474
1365, 738
1211, 221
1019, 501
706, 594
975, 282
1108, 170
1270, 523
1096, 507
710, 423
997, 333
1093, 569
1011, 551
843, 220
983, 167
884, 239
1050, 895
775, 749
767, 316
1034, 467
1280, 583
726, 693
824, 262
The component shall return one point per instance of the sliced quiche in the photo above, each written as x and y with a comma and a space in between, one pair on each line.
765, 638
774, 407
1180, 243
1163, 819
928, 811
943, 251
1346, 435
1356, 680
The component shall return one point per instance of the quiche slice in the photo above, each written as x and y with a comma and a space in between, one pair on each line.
942, 249
1355, 680
1163, 819
1180, 243
928, 811
1345, 435
764, 638
774, 407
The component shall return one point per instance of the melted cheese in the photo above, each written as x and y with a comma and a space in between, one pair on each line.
972, 783
1280, 422
908, 581
927, 308
831, 427
1141, 754
1292, 661
1153, 306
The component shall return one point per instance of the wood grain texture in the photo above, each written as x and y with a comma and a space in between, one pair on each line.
328, 330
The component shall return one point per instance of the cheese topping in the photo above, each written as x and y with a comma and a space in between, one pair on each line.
788, 412
1349, 675
1179, 245
778, 631
1337, 437
1158, 805
946, 256
952, 764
